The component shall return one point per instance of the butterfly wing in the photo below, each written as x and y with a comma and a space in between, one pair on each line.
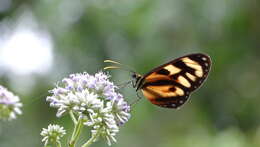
170, 84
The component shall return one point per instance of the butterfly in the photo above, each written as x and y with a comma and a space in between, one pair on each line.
170, 85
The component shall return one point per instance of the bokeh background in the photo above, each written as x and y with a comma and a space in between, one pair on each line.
43, 41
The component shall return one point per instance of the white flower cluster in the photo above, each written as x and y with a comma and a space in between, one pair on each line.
9, 104
52, 134
93, 98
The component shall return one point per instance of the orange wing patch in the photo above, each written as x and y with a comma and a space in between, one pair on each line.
164, 91
154, 77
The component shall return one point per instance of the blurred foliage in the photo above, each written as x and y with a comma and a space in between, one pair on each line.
144, 34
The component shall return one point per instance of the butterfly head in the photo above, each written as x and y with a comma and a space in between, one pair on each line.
136, 75
137, 80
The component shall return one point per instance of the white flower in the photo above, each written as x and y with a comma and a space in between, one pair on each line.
9, 104
121, 110
95, 99
52, 134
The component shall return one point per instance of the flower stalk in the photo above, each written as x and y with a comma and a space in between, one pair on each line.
76, 132
58, 144
91, 140
73, 118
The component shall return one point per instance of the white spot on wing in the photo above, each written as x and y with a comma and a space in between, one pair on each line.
204, 58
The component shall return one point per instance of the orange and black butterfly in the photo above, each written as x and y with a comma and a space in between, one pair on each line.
171, 84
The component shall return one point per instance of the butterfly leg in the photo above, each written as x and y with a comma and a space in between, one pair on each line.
123, 85
133, 83
137, 100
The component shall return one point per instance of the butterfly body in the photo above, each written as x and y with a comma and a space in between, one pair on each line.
170, 84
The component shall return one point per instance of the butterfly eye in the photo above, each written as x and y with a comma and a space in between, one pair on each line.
134, 76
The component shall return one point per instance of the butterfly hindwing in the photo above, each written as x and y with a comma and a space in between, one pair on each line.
170, 84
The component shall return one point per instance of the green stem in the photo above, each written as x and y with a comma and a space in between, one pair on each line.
73, 118
76, 132
91, 140
58, 144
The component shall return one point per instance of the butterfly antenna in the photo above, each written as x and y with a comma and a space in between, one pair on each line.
119, 66
111, 67
111, 61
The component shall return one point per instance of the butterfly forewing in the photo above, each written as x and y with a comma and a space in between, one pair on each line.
170, 84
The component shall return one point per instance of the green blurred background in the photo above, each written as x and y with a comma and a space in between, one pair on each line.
43, 41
